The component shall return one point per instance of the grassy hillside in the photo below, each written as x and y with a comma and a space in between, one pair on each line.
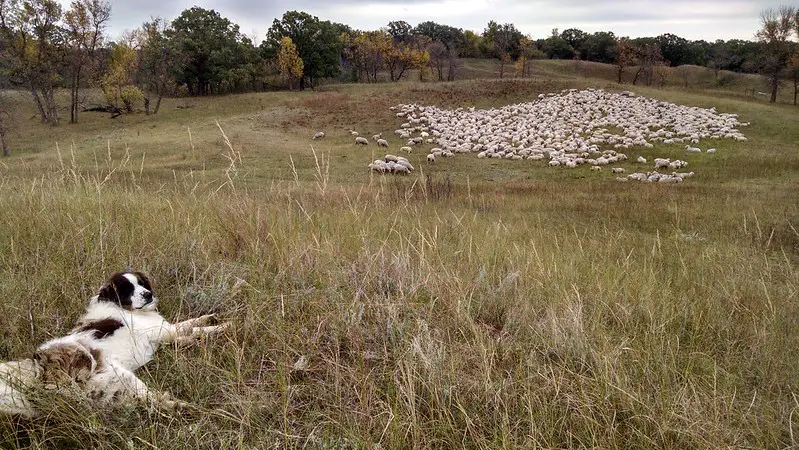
495, 304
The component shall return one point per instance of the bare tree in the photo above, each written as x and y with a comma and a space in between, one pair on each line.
777, 27
625, 56
648, 57
85, 22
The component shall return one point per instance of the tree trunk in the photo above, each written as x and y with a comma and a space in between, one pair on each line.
501, 68
147, 104
158, 102
775, 84
37, 99
795, 87
74, 93
6, 151
302, 83
620, 71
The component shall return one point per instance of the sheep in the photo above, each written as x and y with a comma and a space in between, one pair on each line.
319, 135
431, 158
569, 127
382, 143
377, 136
391, 164
711, 150
406, 149
690, 149
662, 162
361, 141
596, 168
617, 170
353, 133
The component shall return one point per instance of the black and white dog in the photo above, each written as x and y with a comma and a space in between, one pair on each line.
123, 321
120, 332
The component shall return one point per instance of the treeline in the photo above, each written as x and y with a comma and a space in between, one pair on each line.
44, 47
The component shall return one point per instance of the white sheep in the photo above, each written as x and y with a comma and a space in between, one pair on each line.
690, 149
377, 136
641, 160
319, 135
662, 162
431, 158
406, 149
382, 143
711, 150
596, 168
617, 170
353, 133
361, 141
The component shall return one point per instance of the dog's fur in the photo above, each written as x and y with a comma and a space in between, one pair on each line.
120, 332
123, 321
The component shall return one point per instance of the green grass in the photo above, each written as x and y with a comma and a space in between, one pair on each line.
515, 306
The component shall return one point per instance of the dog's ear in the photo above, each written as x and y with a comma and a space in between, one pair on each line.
144, 280
70, 361
117, 289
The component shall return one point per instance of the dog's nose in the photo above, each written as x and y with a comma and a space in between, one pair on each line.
148, 296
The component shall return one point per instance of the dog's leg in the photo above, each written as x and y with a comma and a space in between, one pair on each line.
194, 334
187, 325
115, 381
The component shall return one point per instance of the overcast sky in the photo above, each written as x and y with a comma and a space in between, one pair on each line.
691, 19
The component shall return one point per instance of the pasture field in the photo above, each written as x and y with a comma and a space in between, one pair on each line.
472, 304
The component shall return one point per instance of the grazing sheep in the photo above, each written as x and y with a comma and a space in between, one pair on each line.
353, 133
617, 170
377, 136
690, 149
406, 149
361, 141
382, 143
596, 168
391, 164
641, 160
711, 150
319, 135
662, 162
431, 158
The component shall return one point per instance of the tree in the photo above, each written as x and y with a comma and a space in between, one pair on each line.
556, 47
503, 41
624, 52
5, 125
401, 31
85, 22
158, 56
289, 61
676, 50
600, 47
117, 84
30, 35
777, 27
576, 40
648, 59
319, 44
445, 45
210, 45
403, 56
793, 69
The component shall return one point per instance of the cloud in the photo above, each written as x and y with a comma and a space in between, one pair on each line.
691, 19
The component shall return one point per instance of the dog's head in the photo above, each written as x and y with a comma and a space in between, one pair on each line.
130, 290
66, 360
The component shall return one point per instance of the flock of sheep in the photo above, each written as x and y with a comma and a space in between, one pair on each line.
571, 128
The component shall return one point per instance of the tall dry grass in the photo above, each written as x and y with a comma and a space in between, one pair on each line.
417, 313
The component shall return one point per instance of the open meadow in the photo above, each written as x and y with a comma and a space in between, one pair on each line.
472, 304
